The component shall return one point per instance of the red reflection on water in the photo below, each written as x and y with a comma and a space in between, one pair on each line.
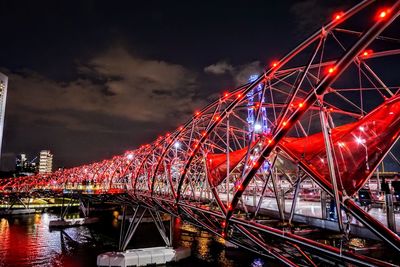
17, 247
27, 241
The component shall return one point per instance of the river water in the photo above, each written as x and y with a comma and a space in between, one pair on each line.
26, 241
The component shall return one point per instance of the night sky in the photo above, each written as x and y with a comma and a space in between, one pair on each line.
90, 79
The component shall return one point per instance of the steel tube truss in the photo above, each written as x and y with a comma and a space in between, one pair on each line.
312, 130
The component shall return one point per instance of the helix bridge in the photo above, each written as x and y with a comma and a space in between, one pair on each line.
326, 114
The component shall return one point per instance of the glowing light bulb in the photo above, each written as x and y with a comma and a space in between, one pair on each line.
338, 15
382, 14
257, 127
177, 145
359, 140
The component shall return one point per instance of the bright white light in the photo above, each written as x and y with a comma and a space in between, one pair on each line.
177, 145
359, 140
257, 127
341, 144
253, 77
361, 128
129, 156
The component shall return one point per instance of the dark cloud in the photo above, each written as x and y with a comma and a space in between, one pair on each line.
218, 68
240, 74
112, 86
137, 89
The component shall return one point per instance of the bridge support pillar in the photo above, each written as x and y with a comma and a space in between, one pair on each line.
323, 205
126, 236
391, 221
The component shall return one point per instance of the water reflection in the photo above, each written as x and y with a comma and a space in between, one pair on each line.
26, 241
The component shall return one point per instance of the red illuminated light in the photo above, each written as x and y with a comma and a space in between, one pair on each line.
331, 69
382, 13
338, 16
367, 53
274, 64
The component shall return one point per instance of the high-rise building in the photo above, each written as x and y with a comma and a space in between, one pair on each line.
3, 97
24, 166
45, 161
20, 162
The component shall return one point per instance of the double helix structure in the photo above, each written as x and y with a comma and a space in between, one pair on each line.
326, 114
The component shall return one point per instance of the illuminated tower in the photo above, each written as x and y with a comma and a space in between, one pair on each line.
258, 124
45, 161
3, 98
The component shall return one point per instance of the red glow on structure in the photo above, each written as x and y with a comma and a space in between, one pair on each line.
367, 53
229, 207
204, 133
284, 123
226, 94
382, 13
331, 69
239, 95
275, 64
197, 113
301, 105
338, 16
223, 224
180, 128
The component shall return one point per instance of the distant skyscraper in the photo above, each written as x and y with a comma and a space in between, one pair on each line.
3, 97
45, 161
25, 167
20, 162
